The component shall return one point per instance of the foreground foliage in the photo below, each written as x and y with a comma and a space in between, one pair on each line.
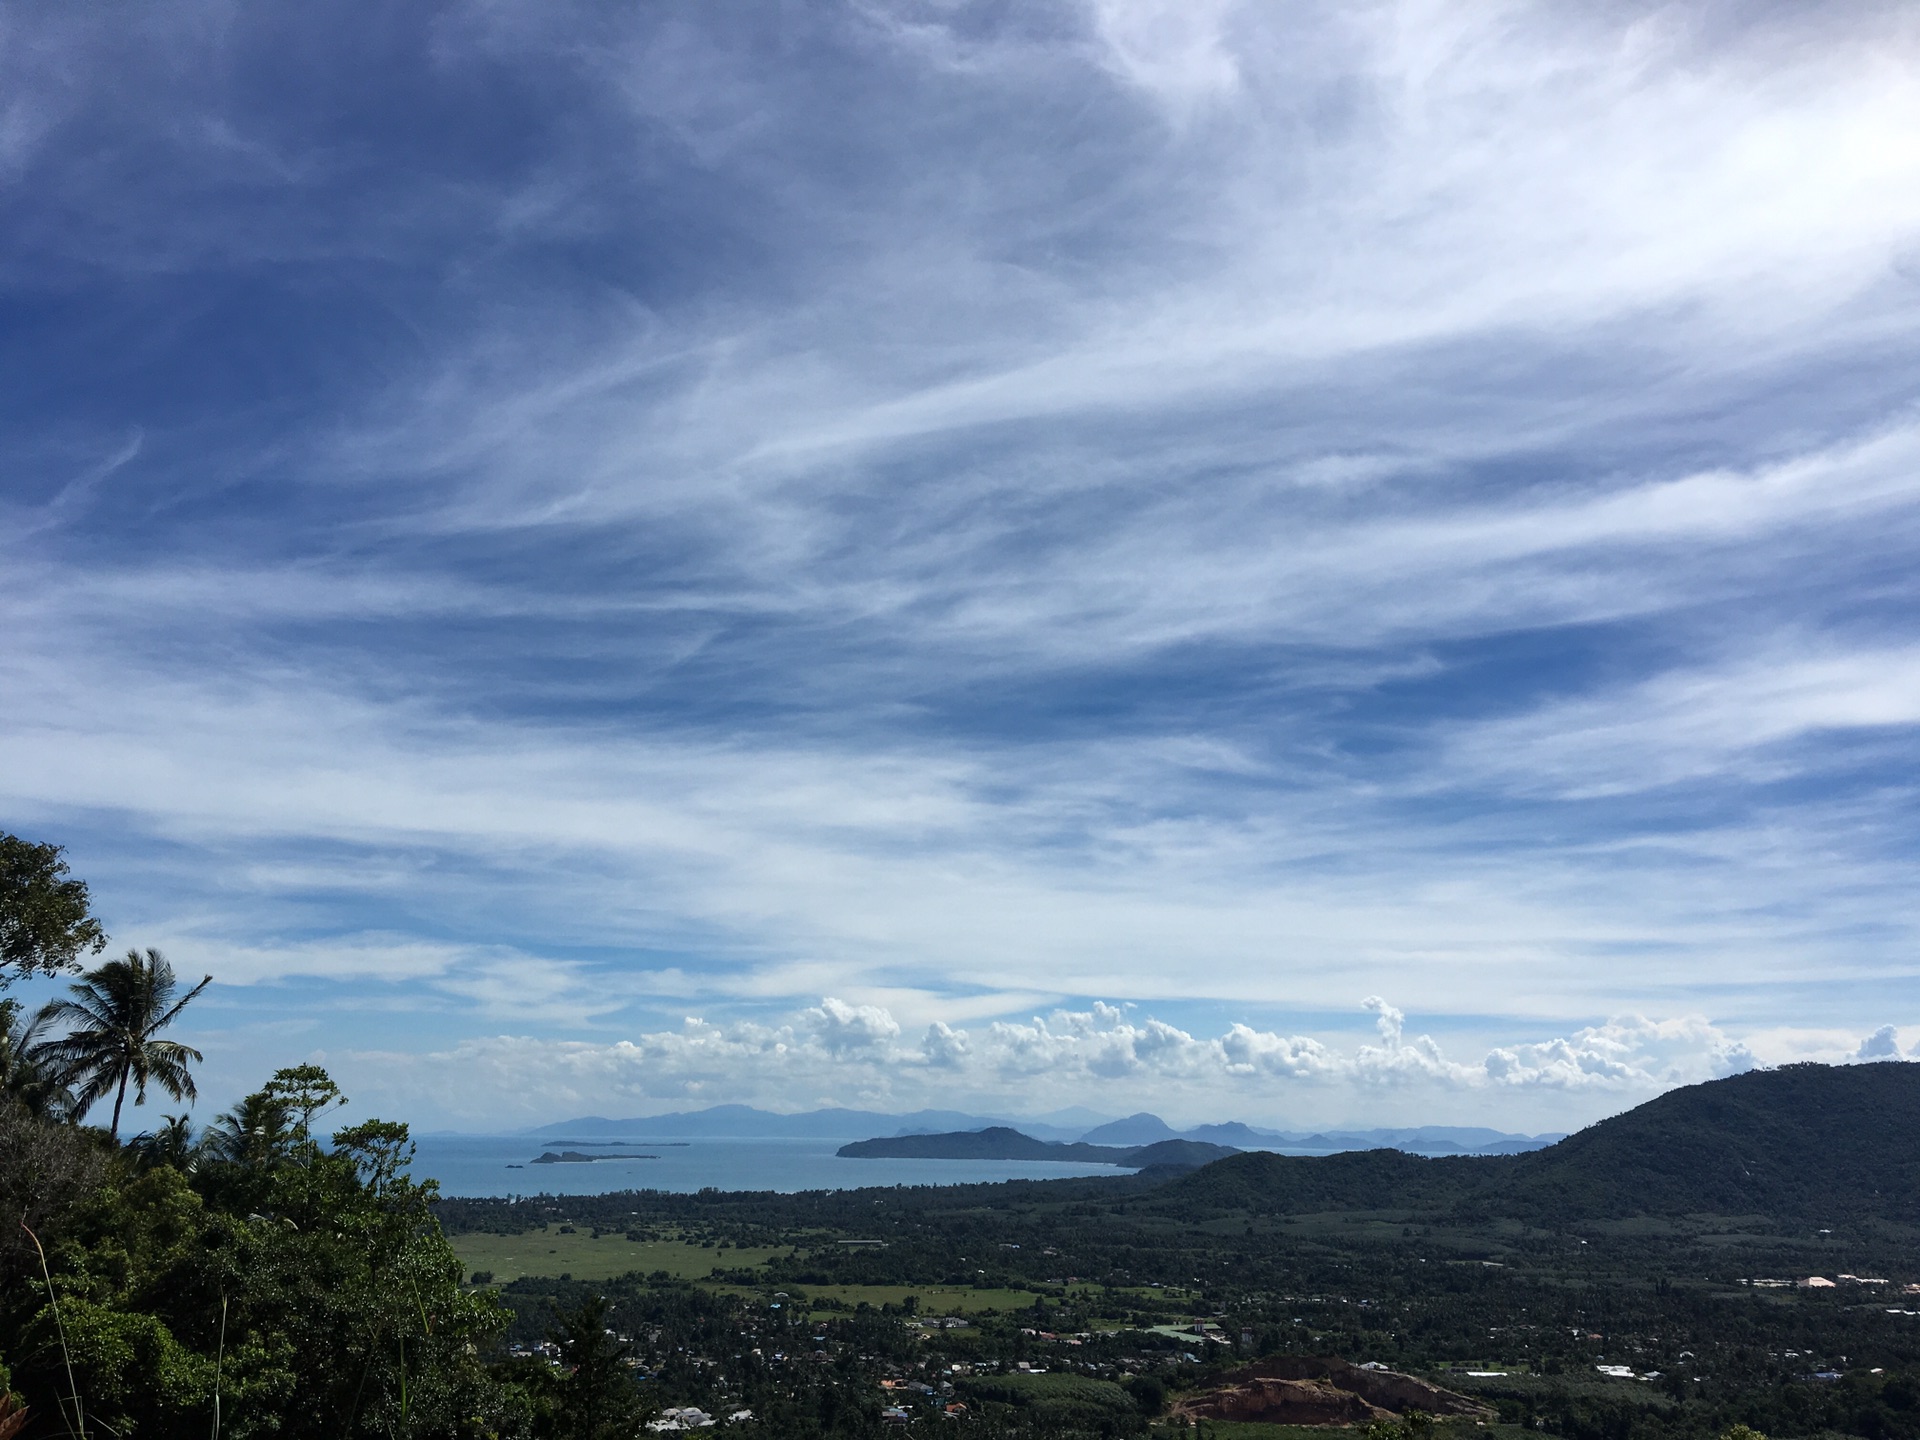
304, 1287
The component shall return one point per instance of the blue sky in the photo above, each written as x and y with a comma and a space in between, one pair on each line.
1312, 563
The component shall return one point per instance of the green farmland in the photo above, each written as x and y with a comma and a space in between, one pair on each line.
548, 1251
934, 1299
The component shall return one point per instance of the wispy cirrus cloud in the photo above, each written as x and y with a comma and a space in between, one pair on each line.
1196, 506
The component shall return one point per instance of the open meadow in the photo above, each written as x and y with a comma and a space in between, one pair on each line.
554, 1250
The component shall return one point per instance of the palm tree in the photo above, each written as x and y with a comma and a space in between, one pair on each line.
115, 1012
257, 1132
170, 1143
27, 1075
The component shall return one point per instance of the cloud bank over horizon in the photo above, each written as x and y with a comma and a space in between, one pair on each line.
521, 523
857, 1056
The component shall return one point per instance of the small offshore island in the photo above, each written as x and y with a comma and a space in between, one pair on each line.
574, 1157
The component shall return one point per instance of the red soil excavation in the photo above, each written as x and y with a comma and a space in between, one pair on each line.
1296, 1390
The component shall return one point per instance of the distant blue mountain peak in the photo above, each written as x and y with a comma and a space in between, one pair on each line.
742, 1122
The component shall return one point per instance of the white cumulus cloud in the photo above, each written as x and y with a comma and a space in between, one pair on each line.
840, 1053
1624, 1054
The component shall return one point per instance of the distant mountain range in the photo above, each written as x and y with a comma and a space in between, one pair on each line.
1144, 1129
999, 1142
744, 1122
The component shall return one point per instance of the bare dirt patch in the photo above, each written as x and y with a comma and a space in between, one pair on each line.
1299, 1390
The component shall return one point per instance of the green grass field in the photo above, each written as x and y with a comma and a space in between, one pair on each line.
934, 1299
548, 1252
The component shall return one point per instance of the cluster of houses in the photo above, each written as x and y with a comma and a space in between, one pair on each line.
898, 1389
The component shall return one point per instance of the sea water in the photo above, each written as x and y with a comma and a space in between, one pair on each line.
486, 1165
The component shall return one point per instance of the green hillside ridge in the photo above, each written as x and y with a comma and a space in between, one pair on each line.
1804, 1142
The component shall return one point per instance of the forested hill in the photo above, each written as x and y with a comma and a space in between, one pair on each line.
1805, 1142
999, 1142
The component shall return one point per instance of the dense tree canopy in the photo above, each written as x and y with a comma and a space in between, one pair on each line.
304, 1286
46, 924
